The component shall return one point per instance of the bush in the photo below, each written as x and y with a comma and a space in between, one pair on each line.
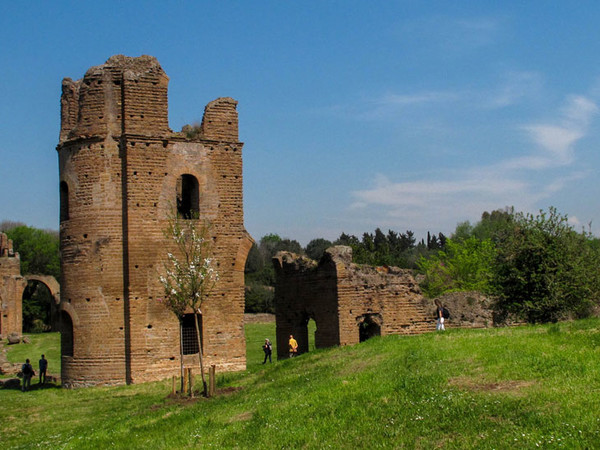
464, 266
259, 299
545, 271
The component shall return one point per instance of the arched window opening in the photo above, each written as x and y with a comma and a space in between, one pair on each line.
64, 201
66, 334
188, 197
189, 335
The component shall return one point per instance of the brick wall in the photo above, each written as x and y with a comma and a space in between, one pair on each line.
12, 285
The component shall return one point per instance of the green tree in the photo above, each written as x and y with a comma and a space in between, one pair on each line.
463, 266
189, 275
392, 249
316, 248
546, 271
39, 250
259, 272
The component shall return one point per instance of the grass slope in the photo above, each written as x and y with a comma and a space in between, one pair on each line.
500, 388
47, 344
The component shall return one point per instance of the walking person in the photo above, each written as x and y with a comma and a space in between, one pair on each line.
43, 367
293, 345
439, 314
28, 372
268, 349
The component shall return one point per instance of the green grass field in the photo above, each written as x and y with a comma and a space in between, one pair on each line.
524, 387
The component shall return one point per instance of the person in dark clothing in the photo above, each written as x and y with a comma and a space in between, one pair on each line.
268, 349
439, 314
43, 368
28, 372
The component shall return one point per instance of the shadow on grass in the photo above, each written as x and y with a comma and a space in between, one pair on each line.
15, 384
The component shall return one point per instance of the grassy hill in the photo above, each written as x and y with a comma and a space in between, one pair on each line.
499, 388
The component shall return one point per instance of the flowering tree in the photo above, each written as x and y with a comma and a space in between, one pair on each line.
189, 275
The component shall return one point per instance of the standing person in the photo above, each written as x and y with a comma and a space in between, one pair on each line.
43, 368
293, 345
439, 314
268, 349
27, 371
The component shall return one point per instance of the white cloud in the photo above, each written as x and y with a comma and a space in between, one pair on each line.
556, 140
451, 197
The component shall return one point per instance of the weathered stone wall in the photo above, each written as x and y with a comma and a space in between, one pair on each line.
341, 297
12, 285
119, 168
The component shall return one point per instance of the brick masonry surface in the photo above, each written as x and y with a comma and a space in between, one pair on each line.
12, 285
348, 302
121, 170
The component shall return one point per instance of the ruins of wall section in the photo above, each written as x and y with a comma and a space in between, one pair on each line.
388, 295
341, 296
12, 285
305, 290
120, 167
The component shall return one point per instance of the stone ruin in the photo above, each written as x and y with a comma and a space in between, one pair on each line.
348, 302
12, 285
122, 173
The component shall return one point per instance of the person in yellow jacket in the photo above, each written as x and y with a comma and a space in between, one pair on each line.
293, 346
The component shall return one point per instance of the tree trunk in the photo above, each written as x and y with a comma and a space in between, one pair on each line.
200, 354
181, 351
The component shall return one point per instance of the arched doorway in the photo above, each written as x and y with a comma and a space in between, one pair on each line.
40, 301
369, 325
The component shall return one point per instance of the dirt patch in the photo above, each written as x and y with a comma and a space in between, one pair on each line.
508, 386
228, 390
243, 417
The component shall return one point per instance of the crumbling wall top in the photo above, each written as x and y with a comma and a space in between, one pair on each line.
6, 246
293, 262
220, 120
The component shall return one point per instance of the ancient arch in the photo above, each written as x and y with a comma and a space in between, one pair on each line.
369, 325
54, 288
50, 282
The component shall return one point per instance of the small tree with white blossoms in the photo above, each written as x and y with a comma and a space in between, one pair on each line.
189, 275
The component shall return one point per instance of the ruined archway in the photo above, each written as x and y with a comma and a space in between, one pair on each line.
369, 325
41, 298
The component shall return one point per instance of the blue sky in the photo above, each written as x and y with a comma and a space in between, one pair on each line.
401, 115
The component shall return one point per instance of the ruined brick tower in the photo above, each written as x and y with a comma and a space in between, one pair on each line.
122, 171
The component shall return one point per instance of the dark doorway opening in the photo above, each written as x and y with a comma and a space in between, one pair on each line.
66, 334
369, 326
